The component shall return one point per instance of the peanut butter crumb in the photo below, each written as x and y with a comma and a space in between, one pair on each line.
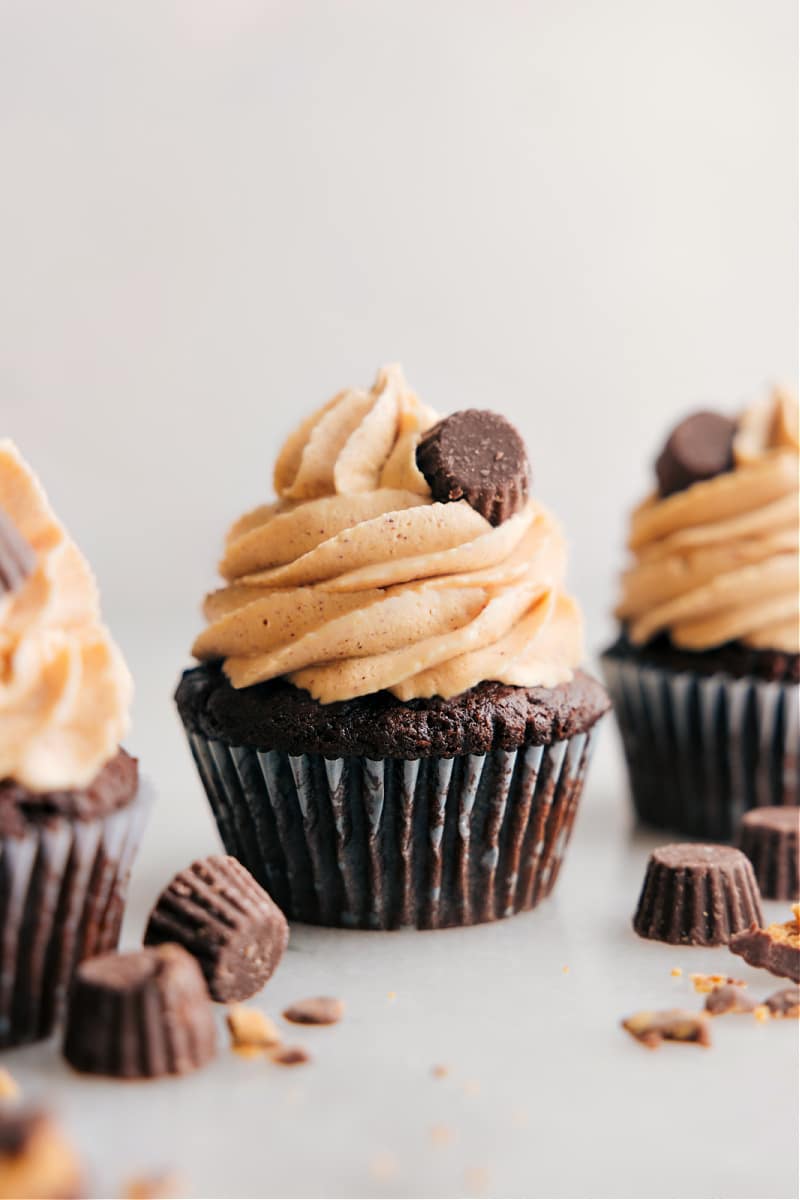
163, 1186
383, 1166
707, 983
476, 1180
442, 1135
9, 1088
251, 1030
565, 969
762, 1013
440, 1071
676, 971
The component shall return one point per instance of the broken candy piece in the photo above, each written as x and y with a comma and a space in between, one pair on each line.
671, 1025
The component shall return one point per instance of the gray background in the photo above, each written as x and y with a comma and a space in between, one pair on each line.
213, 216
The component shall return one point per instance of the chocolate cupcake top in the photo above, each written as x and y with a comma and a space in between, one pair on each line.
390, 565
715, 549
65, 691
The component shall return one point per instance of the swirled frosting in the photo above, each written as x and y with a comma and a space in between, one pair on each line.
355, 580
718, 562
65, 691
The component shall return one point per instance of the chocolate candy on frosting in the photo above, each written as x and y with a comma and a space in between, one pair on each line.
699, 448
479, 457
217, 911
140, 1015
17, 558
770, 837
696, 895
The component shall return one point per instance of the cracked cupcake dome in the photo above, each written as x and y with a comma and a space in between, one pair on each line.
696, 895
477, 456
770, 837
226, 921
140, 1015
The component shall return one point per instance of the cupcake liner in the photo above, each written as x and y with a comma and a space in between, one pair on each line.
702, 750
382, 844
63, 884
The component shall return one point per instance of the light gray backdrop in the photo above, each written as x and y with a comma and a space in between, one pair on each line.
213, 215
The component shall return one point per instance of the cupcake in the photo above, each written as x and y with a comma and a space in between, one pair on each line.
388, 716
70, 820
704, 673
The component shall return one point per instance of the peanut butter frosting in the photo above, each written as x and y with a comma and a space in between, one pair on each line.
355, 580
65, 692
718, 562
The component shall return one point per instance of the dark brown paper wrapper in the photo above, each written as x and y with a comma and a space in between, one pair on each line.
386, 844
702, 750
63, 885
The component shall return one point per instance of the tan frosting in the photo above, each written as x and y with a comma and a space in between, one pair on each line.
718, 562
65, 691
355, 580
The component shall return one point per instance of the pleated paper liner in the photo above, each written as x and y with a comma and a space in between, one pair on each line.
702, 750
425, 843
63, 886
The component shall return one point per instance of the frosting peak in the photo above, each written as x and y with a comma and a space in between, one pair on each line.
718, 562
356, 580
65, 691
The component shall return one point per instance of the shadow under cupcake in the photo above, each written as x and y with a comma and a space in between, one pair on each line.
71, 816
704, 674
388, 718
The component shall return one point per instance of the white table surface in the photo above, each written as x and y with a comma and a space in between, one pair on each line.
545, 1096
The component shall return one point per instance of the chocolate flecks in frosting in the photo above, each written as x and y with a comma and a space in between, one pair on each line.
278, 716
358, 580
700, 447
17, 559
717, 563
479, 457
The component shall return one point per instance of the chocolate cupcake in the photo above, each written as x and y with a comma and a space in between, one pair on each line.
70, 816
704, 674
388, 718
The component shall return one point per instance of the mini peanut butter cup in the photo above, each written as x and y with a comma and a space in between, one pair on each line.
695, 895
17, 557
140, 1015
217, 911
477, 456
699, 448
770, 837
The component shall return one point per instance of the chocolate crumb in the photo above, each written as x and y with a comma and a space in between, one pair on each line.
672, 1025
290, 1056
728, 998
316, 1010
785, 1003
